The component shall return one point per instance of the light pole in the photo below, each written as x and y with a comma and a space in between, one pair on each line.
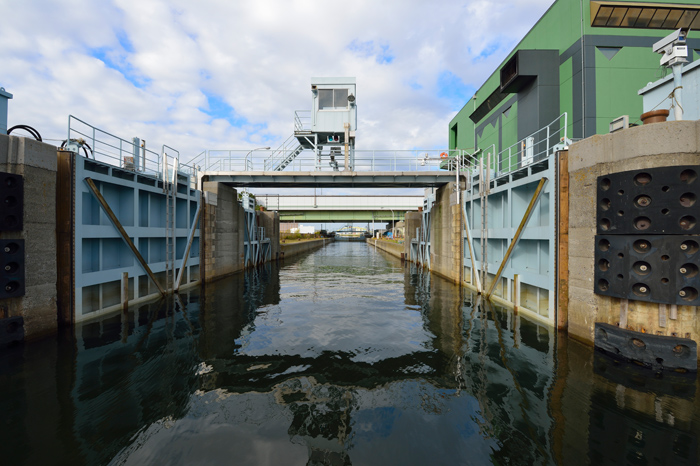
251, 162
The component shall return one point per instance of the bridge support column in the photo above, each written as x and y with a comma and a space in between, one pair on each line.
446, 234
223, 223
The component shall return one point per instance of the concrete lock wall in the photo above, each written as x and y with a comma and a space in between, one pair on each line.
224, 222
413, 222
292, 249
271, 222
445, 235
222, 249
36, 161
649, 146
395, 249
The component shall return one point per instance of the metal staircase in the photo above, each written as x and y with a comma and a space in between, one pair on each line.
284, 155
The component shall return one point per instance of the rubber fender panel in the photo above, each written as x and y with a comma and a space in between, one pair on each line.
11, 331
11, 268
11, 202
653, 268
650, 201
653, 351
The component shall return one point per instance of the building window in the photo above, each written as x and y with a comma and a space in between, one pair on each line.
330, 99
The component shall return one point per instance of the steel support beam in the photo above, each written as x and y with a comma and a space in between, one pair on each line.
115, 221
518, 233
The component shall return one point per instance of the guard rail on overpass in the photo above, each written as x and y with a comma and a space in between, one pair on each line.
340, 208
417, 168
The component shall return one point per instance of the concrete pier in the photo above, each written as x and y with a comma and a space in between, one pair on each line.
222, 249
36, 310
657, 145
446, 235
224, 218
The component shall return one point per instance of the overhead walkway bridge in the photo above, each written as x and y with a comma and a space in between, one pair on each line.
372, 169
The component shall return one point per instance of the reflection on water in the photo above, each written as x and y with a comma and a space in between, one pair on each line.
343, 356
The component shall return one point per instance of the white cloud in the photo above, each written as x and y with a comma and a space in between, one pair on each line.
145, 67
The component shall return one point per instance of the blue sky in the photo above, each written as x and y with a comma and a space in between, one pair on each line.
224, 75
229, 75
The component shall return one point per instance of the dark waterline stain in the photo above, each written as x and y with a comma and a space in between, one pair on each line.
342, 356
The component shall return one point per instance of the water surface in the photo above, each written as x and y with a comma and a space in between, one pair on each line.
342, 356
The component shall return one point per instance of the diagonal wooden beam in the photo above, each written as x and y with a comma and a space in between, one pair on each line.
115, 221
518, 233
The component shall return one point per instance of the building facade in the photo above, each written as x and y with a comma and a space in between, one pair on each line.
585, 58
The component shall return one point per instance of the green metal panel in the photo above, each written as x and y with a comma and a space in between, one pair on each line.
465, 130
615, 86
566, 96
489, 137
617, 83
509, 126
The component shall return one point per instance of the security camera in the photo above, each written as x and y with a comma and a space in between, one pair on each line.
673, 48
677, 37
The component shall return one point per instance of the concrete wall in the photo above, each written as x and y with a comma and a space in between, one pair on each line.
37, 162
271, 222
224, 222
395, 249
292, 249
222, 249
445, 235
656, 145
413, 221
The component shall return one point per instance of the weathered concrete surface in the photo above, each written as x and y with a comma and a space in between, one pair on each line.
413, 221
292, 249
271, 222
656, 145
445, 235
37, 162
224, 223
395, 249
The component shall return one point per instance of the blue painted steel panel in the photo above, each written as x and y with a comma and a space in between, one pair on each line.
101, 256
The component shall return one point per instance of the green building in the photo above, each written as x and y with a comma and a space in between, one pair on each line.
584, 58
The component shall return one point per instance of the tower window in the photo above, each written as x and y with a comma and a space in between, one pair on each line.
329, 99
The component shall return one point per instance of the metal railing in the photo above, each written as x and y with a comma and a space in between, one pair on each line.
365, 160
131, 155
279, 155
529, 150
302, 120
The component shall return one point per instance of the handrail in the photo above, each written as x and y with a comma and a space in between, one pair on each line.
280, 154
533, 148
302, 120
131, 155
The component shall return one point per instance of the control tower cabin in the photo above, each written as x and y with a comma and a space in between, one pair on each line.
328, 129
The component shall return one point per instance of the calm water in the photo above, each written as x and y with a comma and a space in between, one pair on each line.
339, 357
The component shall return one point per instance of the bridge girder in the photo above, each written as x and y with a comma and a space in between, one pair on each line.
340, 179
330, 216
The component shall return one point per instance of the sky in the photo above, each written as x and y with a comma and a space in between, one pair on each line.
215, 74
